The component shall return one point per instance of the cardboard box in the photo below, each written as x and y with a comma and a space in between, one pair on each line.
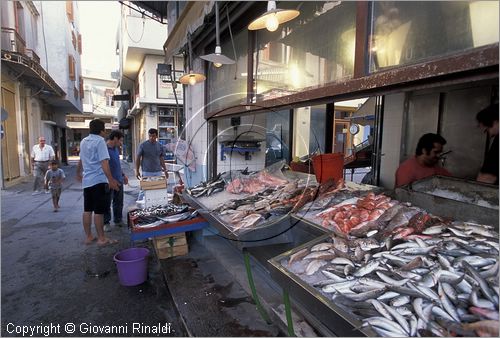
171, 246
153, 182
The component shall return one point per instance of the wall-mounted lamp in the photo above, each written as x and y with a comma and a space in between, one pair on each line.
273, 17
217, 58
191, 78
164, 71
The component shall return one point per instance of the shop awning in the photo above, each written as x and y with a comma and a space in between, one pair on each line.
191, 18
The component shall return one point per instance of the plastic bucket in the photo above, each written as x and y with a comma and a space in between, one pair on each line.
132, 266
328, 166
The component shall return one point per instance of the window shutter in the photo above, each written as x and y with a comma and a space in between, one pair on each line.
80, 44
71, 64
80, 84
69, 10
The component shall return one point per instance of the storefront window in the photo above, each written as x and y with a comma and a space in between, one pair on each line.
227, 85
408, 31
314, 49
277, 137
309, 130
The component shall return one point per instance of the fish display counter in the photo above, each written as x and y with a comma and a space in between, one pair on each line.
405, 273
253, 209
453, 197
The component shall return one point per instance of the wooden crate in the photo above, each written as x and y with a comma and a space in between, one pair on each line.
150, 183
171, 245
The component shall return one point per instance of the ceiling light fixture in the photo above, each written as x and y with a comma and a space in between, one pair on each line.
191, 78
273, 17
217, 58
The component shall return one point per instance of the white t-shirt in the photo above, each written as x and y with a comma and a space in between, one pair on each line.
44, 154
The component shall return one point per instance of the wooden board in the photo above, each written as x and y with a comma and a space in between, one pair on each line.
151, 185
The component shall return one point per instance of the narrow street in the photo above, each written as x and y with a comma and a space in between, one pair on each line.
50, 277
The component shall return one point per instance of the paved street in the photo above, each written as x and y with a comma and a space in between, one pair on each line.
50, 277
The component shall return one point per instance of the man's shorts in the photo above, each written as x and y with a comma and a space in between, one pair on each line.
56, 192
95, 198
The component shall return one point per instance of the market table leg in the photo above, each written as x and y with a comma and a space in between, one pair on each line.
288, 312
261, 310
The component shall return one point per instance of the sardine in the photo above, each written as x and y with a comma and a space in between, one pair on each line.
400, 301
398, 317
367, 268
360, 297
482, 283
381, 309
446, 304
385, 324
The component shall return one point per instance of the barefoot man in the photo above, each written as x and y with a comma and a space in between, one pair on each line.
96, 181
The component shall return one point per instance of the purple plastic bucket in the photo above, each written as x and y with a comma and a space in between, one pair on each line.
132, 266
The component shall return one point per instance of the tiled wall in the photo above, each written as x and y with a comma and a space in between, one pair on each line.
251, 126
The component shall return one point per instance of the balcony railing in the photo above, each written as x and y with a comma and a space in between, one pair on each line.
12, 41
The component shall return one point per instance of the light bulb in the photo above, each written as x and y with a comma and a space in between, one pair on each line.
272, 23
192, 80
217, 64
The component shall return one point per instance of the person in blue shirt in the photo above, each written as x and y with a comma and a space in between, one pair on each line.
115, 199
94, 173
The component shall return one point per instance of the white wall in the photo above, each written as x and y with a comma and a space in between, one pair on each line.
58, 44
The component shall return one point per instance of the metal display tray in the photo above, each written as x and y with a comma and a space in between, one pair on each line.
275, 232
335, 318
482, 208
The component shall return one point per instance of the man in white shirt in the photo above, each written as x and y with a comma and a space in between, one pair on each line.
40, 156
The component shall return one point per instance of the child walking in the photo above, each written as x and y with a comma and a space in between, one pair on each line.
53, 180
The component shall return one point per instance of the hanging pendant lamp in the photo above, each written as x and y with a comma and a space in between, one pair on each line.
217, 58
273, 17
191, 78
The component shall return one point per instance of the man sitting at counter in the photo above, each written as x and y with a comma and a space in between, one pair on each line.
425, 163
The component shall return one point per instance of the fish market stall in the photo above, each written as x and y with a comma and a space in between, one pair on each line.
404, 273
452, 197
163, 220
253, 209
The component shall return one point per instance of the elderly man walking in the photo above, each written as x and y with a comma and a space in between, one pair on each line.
41, 154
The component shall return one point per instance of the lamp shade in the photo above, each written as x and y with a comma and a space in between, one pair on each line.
218, 58
273, 17
192, 78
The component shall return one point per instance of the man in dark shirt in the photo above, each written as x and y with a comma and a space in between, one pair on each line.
150, 157
115, 198
488, 122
